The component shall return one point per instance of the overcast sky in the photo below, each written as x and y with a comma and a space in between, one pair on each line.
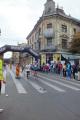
17, 17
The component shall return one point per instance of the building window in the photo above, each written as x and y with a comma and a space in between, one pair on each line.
36, 36
49, 10
74, 30
39, 45
39, 31
49, 25
49, 41
35, 45
32, 38
32, 46
64, 43
28, 42
64, 28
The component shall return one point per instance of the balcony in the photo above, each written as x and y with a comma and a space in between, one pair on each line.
49, 33
51, 48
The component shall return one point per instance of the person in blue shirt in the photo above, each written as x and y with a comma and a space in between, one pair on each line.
68, 70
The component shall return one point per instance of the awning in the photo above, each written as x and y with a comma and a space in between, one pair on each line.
70, 56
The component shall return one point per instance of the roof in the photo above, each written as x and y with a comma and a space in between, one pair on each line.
68, 17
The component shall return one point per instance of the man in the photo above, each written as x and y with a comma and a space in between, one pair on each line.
68, 70
27, 70
1, 78
1, 74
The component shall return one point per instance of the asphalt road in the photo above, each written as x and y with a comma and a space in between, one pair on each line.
47, 97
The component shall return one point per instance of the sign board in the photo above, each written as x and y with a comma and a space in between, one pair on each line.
57, 57
43, 59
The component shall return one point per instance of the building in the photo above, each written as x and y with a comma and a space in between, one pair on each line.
19, 57
15, 57
53, 32
24, 57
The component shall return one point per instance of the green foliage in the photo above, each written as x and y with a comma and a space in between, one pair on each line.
75, 46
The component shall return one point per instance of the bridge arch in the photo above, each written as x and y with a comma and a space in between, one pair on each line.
12, 48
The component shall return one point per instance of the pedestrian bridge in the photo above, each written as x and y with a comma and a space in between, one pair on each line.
18, 49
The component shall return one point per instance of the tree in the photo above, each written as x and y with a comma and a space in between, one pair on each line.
75, 44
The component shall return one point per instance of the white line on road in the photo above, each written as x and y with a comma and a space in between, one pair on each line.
37, 87
60, 83
66, 81
3, 88
18, 85
52, 86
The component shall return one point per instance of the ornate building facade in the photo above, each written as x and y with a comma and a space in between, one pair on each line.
53, 32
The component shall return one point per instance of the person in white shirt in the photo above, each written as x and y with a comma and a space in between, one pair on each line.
27, 70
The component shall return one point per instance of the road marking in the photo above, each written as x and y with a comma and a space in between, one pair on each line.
18, 85
73, 83
60, 83
52, 86
1, 110
3, 89
37, 87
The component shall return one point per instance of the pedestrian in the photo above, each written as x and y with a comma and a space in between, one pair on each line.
1, 78
27, 70
1, 74
74, 70
59, 68
68, 71
18, 70
64, 70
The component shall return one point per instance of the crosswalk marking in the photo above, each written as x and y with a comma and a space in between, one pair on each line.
52, 86
73, 83
60, 83
46, 81
3, 89
19, 87
37, 87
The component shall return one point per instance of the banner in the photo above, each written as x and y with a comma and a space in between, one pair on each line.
43, 59
57, 57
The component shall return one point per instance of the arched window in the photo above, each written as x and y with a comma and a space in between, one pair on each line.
64, 43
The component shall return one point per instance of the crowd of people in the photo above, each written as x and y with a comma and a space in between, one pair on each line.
65, 69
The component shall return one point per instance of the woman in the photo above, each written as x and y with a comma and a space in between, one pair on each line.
17, 70
64, 70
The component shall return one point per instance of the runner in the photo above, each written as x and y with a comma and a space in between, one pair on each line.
1, 78
18, 70
1, 74
27, 70
35, 69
